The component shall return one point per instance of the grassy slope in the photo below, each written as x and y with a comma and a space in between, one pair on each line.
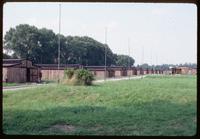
149, 106
9, 84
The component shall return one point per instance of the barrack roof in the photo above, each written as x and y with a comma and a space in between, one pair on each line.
14, 62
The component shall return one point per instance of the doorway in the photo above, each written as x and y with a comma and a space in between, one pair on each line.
28, 75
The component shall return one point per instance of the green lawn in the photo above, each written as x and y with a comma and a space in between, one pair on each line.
153, 106
10, 84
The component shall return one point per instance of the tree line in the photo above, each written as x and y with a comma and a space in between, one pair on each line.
41, 46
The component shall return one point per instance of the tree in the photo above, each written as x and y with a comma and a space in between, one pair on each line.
124, 60
5, 56
21, 40
47, 50
41, 46
85, 51
29, 42
145, 66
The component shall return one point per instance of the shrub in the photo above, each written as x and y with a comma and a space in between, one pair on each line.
79, 77
84, 76
69, 73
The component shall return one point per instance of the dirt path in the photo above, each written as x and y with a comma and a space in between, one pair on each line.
117, 79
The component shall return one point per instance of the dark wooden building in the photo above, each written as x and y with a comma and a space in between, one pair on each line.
20, 70
51, 72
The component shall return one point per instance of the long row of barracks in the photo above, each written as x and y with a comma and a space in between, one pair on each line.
22, 70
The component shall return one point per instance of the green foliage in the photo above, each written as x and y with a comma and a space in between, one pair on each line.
84, 76
13, 56
10, 84
5, 56
160, 106
86, 51
41, 46
27, 41
124, 60
78, 77
69, 73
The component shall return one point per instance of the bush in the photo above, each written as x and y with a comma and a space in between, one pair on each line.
84, 76
69, 73
79, 77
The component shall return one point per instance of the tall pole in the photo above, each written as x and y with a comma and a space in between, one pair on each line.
151, 62
105, 53
156, 64
151, 57
59, 43
142, 60
142, 54
156, 59
129, 66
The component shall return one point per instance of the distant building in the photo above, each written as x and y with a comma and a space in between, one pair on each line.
192, 71
183, 70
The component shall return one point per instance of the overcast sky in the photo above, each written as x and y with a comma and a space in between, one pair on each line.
159, 33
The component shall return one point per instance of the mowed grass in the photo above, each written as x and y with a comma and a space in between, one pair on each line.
10, 84
152, 106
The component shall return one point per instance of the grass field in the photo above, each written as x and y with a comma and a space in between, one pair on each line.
10, 84
153, 106
18, 84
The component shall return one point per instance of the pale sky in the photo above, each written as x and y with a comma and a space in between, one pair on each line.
158, 33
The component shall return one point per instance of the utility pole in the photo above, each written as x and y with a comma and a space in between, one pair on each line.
151, 62
129, 67
105, 53
142, 60
151, 58
156, 59
142, 54
59, 43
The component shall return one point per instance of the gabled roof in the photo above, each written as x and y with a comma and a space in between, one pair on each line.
10, 65
14, 62
55, 66
11, 62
